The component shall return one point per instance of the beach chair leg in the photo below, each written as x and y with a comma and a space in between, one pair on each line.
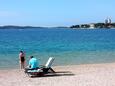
52, 70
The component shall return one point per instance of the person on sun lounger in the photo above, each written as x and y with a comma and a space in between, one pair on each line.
33, 64
43, 69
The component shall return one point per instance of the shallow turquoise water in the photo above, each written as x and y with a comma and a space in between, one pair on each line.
66, 45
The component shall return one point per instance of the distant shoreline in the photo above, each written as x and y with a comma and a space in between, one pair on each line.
25, 27
71, 27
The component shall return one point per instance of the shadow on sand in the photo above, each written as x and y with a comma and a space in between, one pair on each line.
56, 74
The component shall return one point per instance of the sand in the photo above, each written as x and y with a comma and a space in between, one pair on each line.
75, 75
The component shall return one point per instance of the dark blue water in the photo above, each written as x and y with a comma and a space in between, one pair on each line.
68, 46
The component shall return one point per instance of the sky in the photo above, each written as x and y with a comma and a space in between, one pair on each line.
51, 13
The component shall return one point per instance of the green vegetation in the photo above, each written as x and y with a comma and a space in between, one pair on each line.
95, 25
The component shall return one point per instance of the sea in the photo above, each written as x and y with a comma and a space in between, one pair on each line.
67, 46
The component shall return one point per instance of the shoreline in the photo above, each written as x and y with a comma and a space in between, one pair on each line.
89, 64
70, 75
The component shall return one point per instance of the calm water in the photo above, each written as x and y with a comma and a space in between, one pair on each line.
68, 46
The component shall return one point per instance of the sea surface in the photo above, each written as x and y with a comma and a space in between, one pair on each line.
68, 46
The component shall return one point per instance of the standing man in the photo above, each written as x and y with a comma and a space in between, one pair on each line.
22, 59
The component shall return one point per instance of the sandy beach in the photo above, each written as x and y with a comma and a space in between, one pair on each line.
75, 75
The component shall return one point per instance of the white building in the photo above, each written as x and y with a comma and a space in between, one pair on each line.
92, 25
108, 21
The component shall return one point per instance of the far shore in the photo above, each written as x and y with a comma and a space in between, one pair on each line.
73, 75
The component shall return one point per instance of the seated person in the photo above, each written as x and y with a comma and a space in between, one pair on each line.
33, 64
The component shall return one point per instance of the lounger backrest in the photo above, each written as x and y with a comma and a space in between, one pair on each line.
49, 62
